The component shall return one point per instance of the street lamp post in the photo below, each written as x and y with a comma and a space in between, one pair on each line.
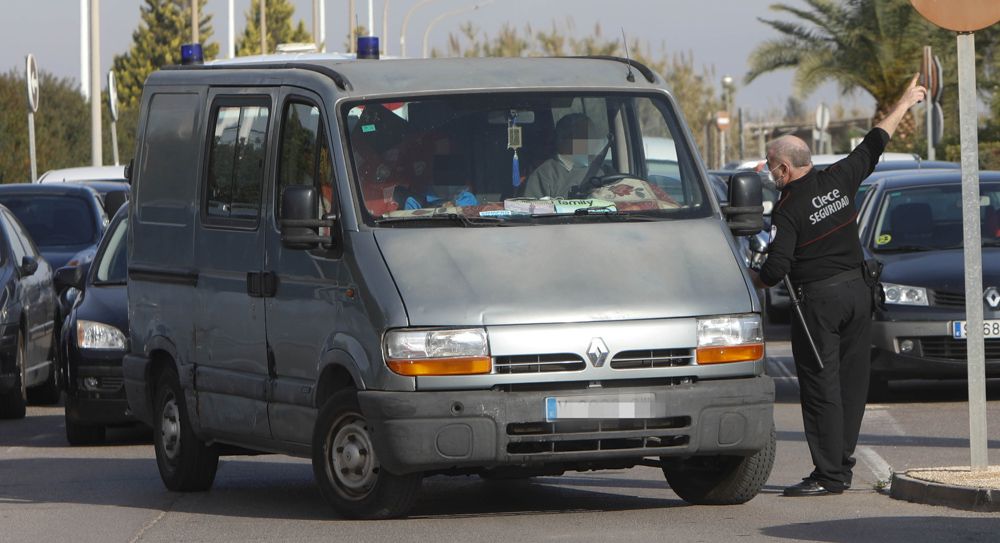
727, 86
439, 18
96, 149
385, 27
406, 22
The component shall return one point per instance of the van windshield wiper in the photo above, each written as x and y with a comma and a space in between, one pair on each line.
906, 249
457, 218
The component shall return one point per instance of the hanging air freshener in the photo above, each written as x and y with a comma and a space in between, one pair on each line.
514, 142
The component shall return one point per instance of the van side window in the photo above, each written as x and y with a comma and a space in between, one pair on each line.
236, 161
168, 163
304, 158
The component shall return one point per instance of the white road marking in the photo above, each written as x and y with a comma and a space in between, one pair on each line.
876, 464
147, 526
13, 449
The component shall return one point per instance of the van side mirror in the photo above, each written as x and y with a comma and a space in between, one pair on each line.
68, 277
29, 265
745, 212
299, 225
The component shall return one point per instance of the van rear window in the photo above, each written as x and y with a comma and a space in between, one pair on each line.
169, 167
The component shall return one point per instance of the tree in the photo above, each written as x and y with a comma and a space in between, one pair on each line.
62, 126
164, 26
279, 28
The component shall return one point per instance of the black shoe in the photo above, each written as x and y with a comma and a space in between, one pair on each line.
809, 487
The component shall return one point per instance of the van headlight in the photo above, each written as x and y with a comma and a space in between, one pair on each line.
438, 352
904, 295
733, 338
97, 335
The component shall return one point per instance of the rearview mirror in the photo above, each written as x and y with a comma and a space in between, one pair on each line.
745, 212
29, 265
68, 277
299, 225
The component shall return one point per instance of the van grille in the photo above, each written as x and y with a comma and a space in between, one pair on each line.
659, 358
542, 363
949, 299
947, 348
597, 435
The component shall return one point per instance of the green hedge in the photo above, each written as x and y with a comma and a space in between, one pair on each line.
989, 154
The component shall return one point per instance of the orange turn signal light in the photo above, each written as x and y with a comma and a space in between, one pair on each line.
442, 366
730, 353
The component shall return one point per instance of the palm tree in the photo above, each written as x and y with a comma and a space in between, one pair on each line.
873, 45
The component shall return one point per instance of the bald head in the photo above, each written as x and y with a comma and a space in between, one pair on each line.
791, 149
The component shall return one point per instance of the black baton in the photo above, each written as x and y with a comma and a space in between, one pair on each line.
802, 320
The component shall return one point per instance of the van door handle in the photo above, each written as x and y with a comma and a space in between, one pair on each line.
262, 284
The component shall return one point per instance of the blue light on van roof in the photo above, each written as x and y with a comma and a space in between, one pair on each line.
368, 47
191, 54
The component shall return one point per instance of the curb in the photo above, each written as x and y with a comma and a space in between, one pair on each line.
983, 500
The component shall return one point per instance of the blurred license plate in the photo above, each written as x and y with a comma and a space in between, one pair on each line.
959, 329
621, 406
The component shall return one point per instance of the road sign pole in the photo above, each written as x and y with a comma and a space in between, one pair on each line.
114, 142
31, 145
975, 346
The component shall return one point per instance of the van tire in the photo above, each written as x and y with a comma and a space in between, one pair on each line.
185, 462
720, 480
370, 492
14, 402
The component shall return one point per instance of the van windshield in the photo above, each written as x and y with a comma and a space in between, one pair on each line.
507, 157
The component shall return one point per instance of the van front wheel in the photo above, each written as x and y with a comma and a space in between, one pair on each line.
347, 470
720, 480
184, 461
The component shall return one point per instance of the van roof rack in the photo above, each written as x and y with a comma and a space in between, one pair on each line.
337, 77
642, 68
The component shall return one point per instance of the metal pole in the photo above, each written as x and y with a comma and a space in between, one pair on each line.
722, 148
975, 347
194, 24
31, 146
406, 22
84, 50
371, 18
439, 18
739, 114
96, 147
385, 27
322, 26
232, 30
352, 27
263, 27
929, 106
316, 23
114, 141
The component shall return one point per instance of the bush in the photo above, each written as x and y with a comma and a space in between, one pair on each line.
989, 154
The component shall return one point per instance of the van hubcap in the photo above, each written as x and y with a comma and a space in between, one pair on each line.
353, 463
170, 429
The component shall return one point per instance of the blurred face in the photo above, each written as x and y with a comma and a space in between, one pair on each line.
779, 171
582, 147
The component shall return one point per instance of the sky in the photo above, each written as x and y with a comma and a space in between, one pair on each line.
719, 33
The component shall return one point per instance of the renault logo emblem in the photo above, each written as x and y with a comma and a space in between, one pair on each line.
597, 352
992, 297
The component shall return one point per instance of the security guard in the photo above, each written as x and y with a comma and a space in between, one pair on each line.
814, 239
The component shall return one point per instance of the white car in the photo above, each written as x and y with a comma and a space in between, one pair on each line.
84, 174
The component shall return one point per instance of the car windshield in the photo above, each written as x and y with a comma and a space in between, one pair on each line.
112, 266
499, 158
53, 221
930, 217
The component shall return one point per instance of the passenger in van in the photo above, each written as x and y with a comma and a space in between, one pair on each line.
577, 143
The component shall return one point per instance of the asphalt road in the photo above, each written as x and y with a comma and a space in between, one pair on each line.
112, 493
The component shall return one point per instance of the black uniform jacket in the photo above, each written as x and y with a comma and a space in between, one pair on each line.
814, 229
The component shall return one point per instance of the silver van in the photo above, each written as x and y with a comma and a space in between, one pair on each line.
401, 268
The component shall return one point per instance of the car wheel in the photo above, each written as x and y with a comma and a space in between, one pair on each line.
78, 433
345, 466
184, 461
14, 402
48, 393
720, 480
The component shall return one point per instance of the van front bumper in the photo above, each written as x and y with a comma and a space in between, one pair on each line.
442, 430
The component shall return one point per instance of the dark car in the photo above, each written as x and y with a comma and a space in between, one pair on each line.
65, 220
114, 194
93, 339
912, 223
27, 310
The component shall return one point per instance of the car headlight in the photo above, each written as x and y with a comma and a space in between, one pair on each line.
904, 295
438, 352
97, 335
733, 338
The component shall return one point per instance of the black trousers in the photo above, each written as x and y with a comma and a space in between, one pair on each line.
839, 317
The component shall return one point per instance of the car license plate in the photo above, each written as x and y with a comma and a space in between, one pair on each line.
959, 329
619, 406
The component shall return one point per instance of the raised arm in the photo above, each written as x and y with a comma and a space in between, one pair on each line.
914, 94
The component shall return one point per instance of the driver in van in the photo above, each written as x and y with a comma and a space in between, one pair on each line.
577, 143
